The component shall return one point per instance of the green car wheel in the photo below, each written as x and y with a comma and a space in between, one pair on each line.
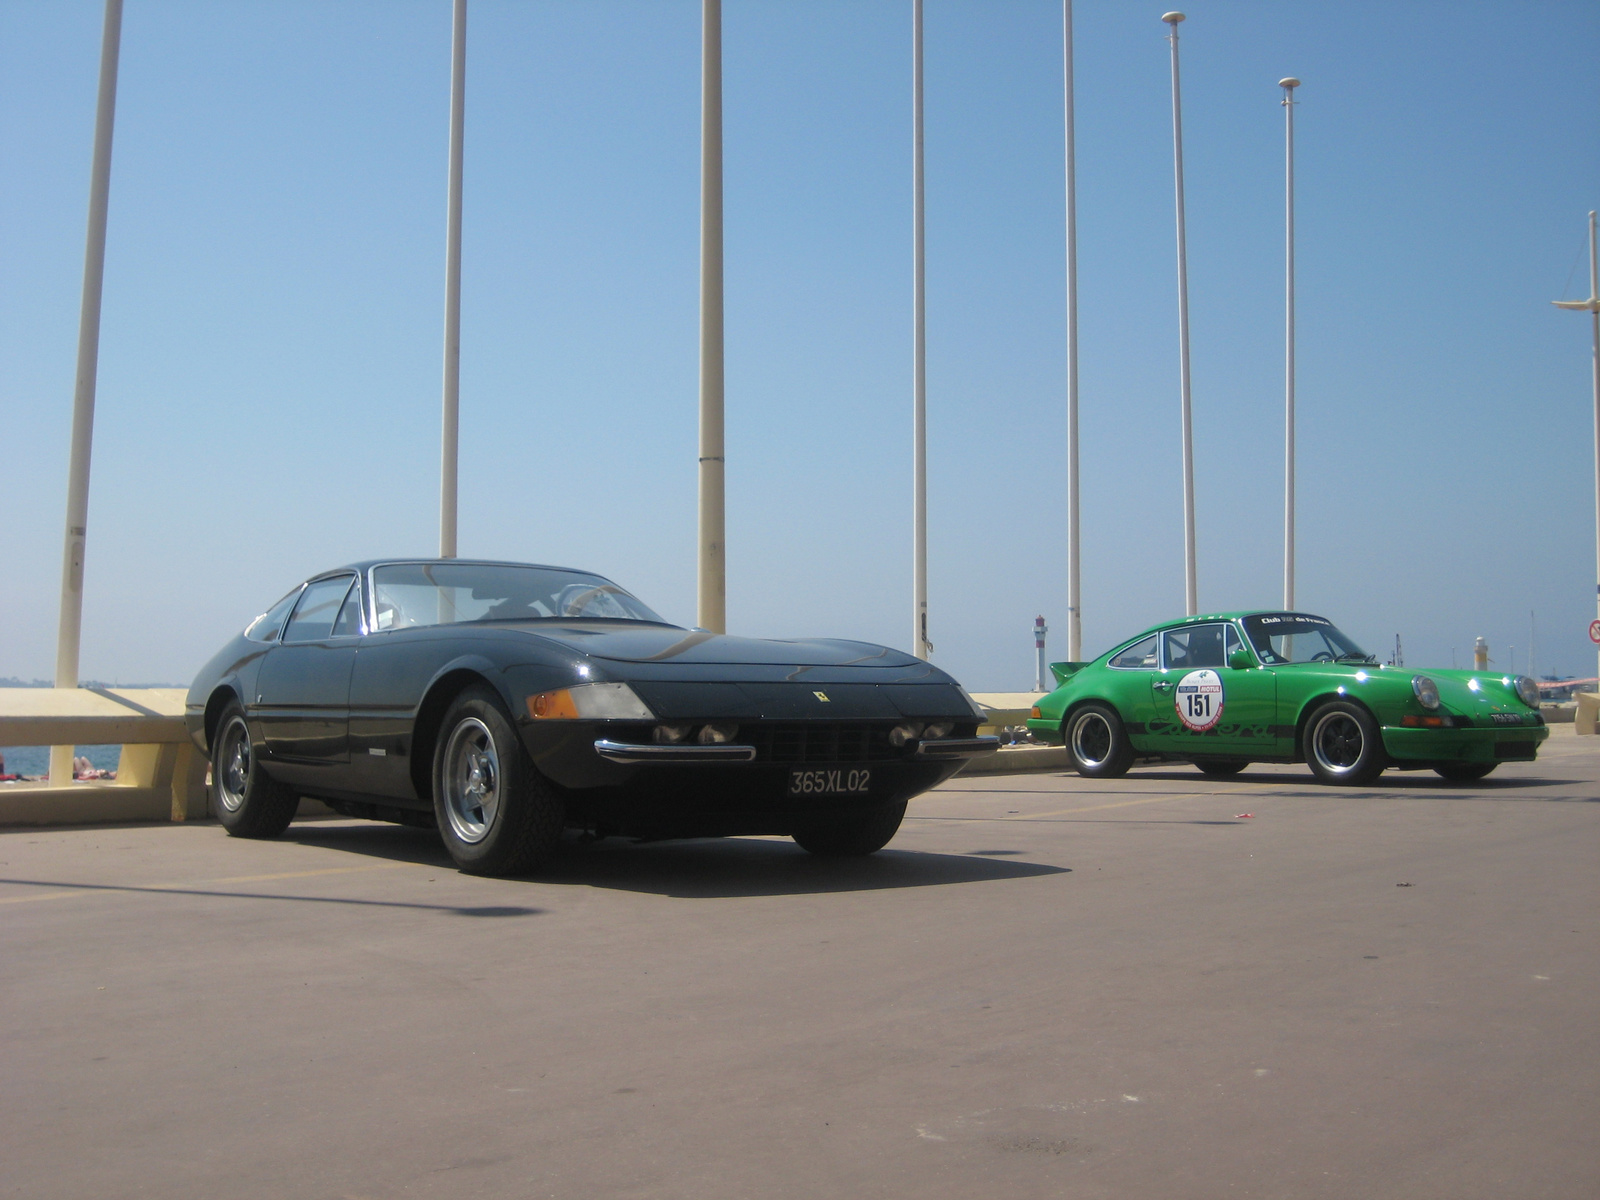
1098, 742
1343, 745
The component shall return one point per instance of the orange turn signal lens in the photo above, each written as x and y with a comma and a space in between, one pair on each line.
553, 706
1424, 722
1033, 713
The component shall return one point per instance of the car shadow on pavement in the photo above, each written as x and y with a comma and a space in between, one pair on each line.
1388, 781
721, 868
693, 868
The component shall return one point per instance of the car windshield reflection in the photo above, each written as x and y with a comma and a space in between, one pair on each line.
407, 595
1301, 638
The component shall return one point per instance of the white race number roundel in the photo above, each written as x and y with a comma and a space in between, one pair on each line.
1200, 700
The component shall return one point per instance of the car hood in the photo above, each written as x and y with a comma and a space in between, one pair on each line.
1492, 694
658, 644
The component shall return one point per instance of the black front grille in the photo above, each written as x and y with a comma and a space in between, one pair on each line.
1515, 749
819, 742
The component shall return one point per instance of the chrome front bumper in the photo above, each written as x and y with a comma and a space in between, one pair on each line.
693, 752
970, 747
678, 752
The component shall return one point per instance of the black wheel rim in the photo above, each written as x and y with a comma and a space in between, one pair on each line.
1337, 743
1091, 739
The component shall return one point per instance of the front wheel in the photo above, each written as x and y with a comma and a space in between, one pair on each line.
248, 801
853, 836
1464, 772
1343, 745
1098, 742
495, 812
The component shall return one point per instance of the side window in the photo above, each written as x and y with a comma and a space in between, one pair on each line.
348, 623
267, 626
1232, 642
1142, 654
319, 604
1194, 646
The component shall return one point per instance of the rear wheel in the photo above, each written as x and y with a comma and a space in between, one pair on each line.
1463, 772
1224, 768
853, 836
248, 801
1343, 745
495, 812
1098, 742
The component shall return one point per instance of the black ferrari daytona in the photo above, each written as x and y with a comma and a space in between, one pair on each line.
503, 703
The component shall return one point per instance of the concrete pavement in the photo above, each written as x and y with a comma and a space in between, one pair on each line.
1046, 987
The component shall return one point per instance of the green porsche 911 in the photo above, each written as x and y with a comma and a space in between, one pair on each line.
1231, 689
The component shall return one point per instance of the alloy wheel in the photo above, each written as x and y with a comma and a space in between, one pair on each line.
471, 780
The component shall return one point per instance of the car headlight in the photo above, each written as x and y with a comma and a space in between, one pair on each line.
718, 732
1528, 690
905, 733
939, 729
590, 702
1427, 691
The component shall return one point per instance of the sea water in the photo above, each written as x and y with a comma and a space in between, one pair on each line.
35, 760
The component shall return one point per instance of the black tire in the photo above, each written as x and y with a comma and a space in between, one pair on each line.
1465, 772
496, 814
1221, 769
248, 801
1343, 745
854, 836
1097, 742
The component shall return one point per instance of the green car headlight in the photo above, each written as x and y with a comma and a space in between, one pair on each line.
1527, 690
1427, 691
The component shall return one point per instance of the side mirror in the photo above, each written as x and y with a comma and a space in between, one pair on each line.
1241, 659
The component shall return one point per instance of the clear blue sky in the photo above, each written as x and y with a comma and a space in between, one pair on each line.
270, 366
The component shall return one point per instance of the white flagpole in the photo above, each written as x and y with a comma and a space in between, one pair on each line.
1190, 590
922, 647
70, 629
1074, 609
712, 588
1288, 86
450, 435
1592, 307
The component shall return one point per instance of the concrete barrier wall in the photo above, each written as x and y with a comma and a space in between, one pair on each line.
160, 774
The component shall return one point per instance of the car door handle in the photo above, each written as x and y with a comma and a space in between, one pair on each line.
1162, 685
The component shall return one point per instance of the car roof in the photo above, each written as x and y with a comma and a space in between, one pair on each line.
1202, 618
364, 566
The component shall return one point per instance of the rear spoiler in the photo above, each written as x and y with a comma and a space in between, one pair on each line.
1064, 671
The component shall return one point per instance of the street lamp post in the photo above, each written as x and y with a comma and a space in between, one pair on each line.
450, 432
70, 629
1074, 551
1592, 307
1190, 589
921, 646
712, 589
1288, 85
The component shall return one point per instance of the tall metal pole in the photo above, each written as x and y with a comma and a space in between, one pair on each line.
1074, 546
70, 629
1288, 86
921, 646
1592, 307
712, 589
1190, 589
450, 435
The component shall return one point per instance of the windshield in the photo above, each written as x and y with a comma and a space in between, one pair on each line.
1300, 638
410, 594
